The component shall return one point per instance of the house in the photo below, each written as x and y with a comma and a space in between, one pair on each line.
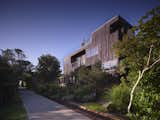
99, 48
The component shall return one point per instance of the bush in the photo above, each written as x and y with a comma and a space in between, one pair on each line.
91, 82
84, 94
13, 110
40, 88
146, 106
146, 100
119, 96
52, 88
48, 89
64, 93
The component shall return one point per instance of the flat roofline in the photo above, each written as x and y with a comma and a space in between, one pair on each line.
85, 46
108, 21
80, 49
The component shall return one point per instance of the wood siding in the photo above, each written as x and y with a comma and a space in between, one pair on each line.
104, 38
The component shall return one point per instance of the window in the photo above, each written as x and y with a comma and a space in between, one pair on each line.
92, 51
110, 64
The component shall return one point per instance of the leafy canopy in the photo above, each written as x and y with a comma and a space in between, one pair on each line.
48, 68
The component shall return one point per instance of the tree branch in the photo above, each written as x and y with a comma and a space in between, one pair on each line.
150, 51
158, 60
132, 91
141, 75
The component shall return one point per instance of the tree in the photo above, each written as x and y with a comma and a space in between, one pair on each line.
141, 55
48, 68
20, 54
7, 86
47, 75
12, 69
90, 82
140, 75
8, 55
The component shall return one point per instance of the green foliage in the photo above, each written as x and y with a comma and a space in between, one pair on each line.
95, 106
47, 75
64, 93
146, 106
81, 75
13, 68
119, 96
14, 110
27, 78
90, 82
20, 54
51, 89
8, 82
135, 49
48, 68
134, 52
40, 88
84, 93
147, 98
8, 55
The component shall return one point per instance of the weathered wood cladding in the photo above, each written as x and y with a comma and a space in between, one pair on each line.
67, 65
101, 44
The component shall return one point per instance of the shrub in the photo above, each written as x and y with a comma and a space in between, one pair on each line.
84, 93
147, 98
91, 82
40, 88
146, 106
47, 89
51, 89
119, 96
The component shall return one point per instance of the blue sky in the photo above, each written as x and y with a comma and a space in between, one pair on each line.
58, 27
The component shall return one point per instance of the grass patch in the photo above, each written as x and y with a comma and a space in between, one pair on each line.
95, 106
13, 111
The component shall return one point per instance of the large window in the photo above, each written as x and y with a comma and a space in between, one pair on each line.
110, 64
92, 51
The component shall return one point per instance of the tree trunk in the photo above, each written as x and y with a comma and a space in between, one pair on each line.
132, 91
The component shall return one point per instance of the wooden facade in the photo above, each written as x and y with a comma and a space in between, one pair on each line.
99, 48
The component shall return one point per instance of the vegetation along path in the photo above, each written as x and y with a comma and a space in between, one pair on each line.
41, 108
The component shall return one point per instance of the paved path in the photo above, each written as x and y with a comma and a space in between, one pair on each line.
41, 108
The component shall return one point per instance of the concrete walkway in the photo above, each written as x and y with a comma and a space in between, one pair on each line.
41, 108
